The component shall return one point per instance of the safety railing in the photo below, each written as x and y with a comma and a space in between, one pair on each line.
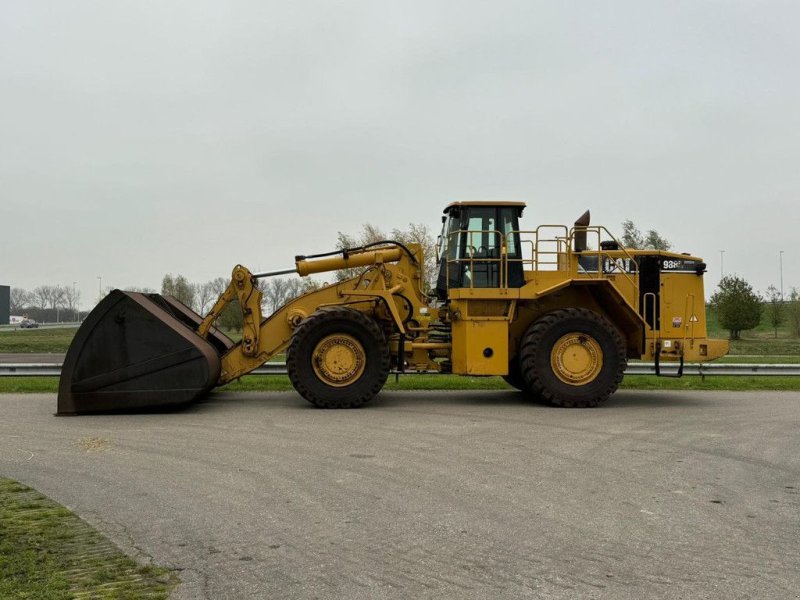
612, 262
485, 255
478, 259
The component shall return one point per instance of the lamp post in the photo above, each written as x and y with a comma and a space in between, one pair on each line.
721, 264
780, 257
75, 301
99, 288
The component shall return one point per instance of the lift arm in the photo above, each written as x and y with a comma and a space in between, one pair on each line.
261, 340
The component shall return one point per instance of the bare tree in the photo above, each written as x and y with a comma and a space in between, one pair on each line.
20, 300
775, 308
417, 233
40, 297
218, 285
204, 296
56, 299
309, 285
369, 235
72, 298
295, 288
279, 290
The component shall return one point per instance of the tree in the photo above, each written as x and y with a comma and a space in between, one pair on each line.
40, 297
633, 238
738, 306
793, 308
72, 297
369, 235
20, 300
231, 316
218, 286
179, 288
279, 291
204, 296
56, 295
775, 308
417, 233
309, 285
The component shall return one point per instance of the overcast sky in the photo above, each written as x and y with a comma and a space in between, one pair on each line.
143, 138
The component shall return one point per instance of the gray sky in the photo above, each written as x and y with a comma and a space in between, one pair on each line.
140, 138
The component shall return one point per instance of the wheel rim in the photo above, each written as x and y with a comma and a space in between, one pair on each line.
576, 358
339, 360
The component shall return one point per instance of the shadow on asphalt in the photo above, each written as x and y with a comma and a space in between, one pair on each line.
625, 399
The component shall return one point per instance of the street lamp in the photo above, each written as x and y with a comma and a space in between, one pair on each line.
721, 263
75, 302
99, 288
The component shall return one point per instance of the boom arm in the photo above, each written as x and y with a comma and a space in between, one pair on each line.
396, 271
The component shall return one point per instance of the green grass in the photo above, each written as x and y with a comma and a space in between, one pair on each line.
48, 553
760, 340
775, 359
36, 340
28, 385
764, 346
716, 382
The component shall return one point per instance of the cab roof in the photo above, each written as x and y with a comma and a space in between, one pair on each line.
519, 205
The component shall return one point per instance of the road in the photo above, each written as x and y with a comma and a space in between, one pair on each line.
437, 494
47, 358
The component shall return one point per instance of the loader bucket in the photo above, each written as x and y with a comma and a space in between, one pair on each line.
137, 352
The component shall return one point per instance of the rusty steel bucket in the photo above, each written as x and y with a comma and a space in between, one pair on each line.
138, 352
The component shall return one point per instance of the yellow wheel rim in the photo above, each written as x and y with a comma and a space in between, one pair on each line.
339, 360
576, 359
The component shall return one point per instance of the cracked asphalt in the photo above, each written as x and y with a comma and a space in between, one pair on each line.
436, 494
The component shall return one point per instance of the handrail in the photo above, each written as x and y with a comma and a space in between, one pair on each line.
545, 241
600, 253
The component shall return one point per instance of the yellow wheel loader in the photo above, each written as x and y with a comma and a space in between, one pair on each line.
557, 311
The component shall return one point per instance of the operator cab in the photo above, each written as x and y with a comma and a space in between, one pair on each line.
480, 246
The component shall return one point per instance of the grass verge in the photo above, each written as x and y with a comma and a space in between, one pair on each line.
48, 553
281, 383
37, 340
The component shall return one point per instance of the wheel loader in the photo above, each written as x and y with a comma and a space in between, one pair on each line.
557, 311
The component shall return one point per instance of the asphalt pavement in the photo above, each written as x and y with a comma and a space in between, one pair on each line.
436, 494
49, 358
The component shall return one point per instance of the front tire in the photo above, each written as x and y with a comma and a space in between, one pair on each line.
573, 358
338, 358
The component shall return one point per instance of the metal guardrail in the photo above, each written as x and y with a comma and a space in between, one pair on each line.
279, 368
59, 325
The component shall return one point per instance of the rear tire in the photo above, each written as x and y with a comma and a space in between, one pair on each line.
573, 358
338, 358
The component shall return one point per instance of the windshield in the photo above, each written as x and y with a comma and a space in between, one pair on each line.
448, 242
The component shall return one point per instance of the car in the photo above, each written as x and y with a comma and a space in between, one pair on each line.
28, 324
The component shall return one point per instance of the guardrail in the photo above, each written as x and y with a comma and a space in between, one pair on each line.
59, 325
279, 368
